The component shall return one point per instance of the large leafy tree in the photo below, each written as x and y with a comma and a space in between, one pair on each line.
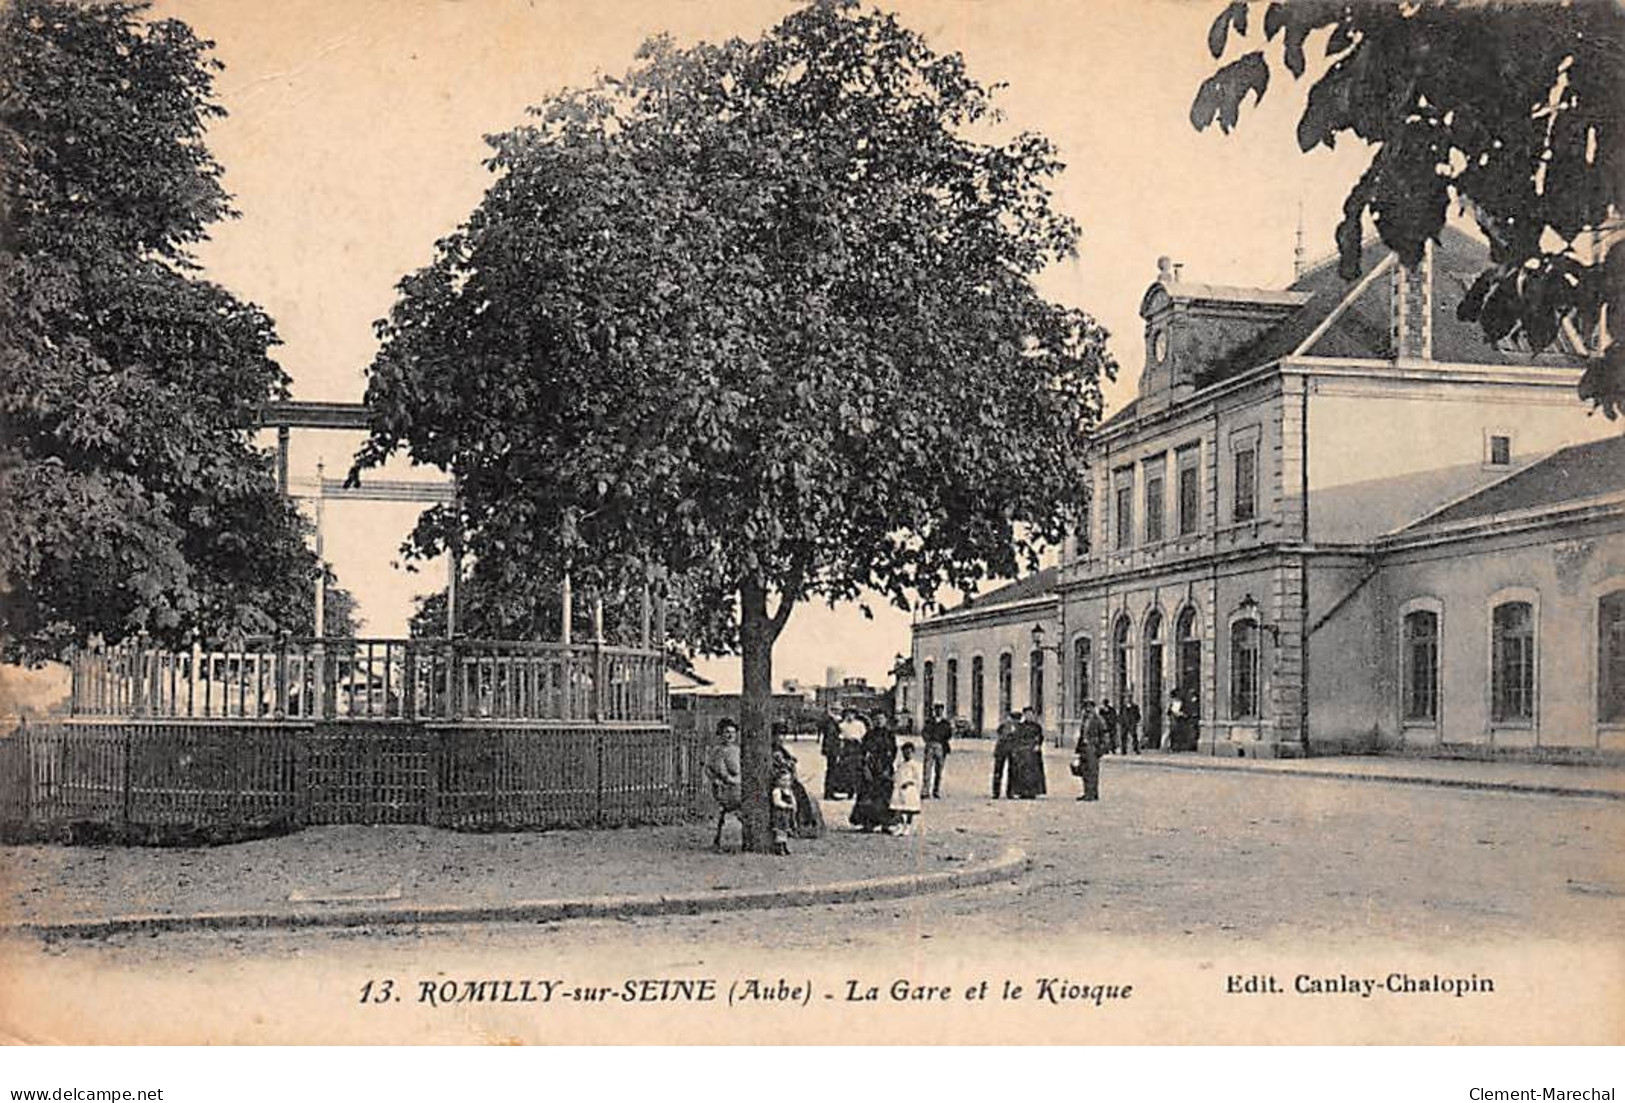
1513, 109
760, 314
134, 497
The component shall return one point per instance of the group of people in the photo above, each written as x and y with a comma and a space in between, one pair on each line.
1018, 757
1122, 725
795, 812
886, 781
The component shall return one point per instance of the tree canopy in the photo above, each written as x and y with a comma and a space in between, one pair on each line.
135, 497
1513, 110
760, 314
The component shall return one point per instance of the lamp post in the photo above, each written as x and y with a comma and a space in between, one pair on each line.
1039, 635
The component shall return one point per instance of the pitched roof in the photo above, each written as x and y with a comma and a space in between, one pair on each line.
1326, 290
1361, 328
1034, 585
1572, 474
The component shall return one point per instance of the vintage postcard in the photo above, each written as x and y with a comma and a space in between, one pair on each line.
746, 521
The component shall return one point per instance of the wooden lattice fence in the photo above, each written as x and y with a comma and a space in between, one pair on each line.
179, 781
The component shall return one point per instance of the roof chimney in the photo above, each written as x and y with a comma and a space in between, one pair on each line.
1297, 248
1412, 326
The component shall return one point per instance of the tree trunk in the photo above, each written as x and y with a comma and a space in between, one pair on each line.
757, 633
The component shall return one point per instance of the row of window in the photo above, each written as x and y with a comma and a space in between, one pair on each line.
1513, 667
1187, 502
1035, 686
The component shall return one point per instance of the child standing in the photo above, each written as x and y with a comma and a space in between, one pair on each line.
905, 790
783, 811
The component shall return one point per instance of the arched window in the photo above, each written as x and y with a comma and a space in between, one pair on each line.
1006, 689
928, 687
978, 698
1244, 670
1081, 648
1189, 677
1512, 663
1120, 634
1611, 658
951, 671
1151, 678
1035, 681
1420, 667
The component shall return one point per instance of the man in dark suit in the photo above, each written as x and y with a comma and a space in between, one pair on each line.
1004, 746
1131, 726
939, 732
1091, 741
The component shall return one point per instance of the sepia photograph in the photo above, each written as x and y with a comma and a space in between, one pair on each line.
786, 522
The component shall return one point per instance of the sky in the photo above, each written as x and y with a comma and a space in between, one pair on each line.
354, 141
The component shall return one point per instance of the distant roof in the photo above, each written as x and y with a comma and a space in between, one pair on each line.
1183, 291
1571, 474
1034, 585
1128, 411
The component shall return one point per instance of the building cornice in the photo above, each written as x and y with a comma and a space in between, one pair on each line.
1015, 610
1432, 371
1203, 560
1607, 507
1556, 377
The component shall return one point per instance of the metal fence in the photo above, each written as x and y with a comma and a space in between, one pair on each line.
182, 780
372, 679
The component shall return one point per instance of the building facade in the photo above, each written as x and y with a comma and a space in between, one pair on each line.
982, 660
1334, 517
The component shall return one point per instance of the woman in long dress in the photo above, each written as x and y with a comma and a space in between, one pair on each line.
872, 809
1027, 760
843, 769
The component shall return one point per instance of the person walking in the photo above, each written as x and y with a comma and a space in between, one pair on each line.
1131, 726
1091, 741
939, 732
1004, 746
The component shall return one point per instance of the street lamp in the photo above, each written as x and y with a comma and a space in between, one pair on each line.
1040, 634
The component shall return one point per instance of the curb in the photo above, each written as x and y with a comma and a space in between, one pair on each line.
1526, 788
1012, 862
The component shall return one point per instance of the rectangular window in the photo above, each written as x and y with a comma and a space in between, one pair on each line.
1246, 500
1190, 492
952, 673
1512, 663
1156, 497
1611, 658
1081, 673
1421, 690
1125, 514
1500, 451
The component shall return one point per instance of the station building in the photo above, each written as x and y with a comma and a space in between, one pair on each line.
1333, 518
